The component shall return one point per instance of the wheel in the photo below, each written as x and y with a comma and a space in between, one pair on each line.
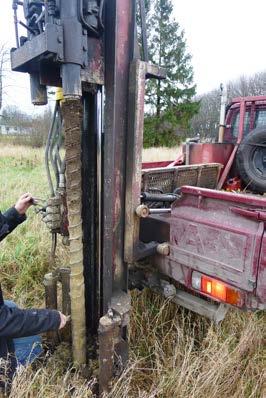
251, 160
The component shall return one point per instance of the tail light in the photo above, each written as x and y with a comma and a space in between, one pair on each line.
216, 289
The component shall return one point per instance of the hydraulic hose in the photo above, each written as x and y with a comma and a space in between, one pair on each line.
47, 151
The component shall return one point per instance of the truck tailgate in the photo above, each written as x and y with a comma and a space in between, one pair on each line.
208, 236
219, 234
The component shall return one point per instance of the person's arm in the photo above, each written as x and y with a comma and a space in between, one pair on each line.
15, 323
15, 215
9, 221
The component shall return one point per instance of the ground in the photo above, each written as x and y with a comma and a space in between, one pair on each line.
173, 353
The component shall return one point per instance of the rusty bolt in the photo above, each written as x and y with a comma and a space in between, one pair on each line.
163, 249
49, 279
169, 290
142, 211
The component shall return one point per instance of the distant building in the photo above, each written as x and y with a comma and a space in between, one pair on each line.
6, 128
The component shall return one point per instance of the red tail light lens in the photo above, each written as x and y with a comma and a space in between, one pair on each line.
216, 289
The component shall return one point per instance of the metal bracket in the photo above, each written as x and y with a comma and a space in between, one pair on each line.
113, 347
140, 71
142, 277
155, 72
121, 305
49, 43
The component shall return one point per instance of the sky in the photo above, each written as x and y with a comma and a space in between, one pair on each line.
225, 38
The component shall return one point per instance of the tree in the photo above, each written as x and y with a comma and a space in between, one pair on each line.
4, 59
206, 122
169, 102
168, 49
40, 126
15, 117
31, 130
248, 85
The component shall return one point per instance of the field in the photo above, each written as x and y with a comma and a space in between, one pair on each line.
173, 353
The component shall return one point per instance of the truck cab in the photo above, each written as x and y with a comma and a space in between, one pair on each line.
254, 116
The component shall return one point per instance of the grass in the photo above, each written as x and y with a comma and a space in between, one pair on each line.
23, 254
173, 353
178, 354
161, 154
53, 379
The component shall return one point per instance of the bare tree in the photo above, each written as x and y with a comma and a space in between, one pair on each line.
4, 60
15, 117
248, 85
206, 121
30, 130
39, 128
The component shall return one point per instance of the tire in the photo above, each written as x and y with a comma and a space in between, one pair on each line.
251, 160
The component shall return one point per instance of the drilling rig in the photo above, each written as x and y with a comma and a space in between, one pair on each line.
88, 48
206, 249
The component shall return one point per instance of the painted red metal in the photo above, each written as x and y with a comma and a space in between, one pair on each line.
179, 161
248, 200
200, 153
255, 98
208, 234
252, 104
261, 278
223, 153
167, 163
243, 108
153, 165
227, 168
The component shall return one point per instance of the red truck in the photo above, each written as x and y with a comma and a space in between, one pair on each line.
241, 148
217, 239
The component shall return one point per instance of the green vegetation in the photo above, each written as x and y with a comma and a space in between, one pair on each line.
173, 353
170, 104
23, 254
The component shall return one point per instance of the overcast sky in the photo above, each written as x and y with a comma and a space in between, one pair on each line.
226, 39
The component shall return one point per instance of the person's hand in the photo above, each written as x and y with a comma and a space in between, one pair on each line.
63, 320
23, 203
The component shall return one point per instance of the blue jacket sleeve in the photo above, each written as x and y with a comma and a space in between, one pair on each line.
15, 322
9, 221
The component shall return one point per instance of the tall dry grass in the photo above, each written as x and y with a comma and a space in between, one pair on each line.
173, 353
161, 154
57, 378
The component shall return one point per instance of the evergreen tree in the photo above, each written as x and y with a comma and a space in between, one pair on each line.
169, 102
147, 8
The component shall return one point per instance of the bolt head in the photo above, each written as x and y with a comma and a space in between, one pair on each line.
142, 211
163, 249
169, 291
